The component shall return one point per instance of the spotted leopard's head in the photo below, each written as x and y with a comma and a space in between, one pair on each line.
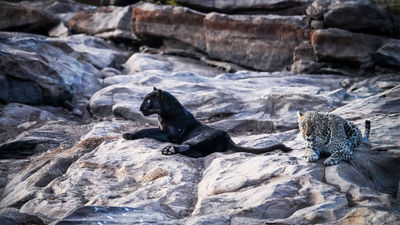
313, 127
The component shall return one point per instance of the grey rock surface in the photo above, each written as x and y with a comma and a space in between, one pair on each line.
108, 22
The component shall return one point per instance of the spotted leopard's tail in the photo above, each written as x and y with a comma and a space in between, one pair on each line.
367, 131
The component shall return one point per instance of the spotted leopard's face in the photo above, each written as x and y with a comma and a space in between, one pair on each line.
312, 128
151, 103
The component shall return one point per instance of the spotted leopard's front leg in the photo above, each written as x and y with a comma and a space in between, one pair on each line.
311, 155
336, 156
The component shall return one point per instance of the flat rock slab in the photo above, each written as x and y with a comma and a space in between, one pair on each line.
280, 7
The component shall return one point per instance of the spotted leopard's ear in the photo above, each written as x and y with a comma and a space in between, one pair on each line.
299, 114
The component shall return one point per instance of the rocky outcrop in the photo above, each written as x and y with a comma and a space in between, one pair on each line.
110, 22
69, 165
273, 37
278, 7
41, 71
15, 17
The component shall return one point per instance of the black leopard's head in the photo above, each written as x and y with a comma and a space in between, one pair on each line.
152, 103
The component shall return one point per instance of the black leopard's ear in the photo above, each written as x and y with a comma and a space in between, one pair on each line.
299, 114
155, 89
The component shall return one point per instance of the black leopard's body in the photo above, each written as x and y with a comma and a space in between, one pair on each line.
190, 137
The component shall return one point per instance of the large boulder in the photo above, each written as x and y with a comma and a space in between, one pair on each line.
263, 42
111, 22
280, 7
340, 45
358, 16
353, 15
16, 17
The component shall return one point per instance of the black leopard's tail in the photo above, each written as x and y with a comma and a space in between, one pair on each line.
367, 131
271, 148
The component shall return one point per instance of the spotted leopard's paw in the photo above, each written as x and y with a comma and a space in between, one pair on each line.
311, 157
168, 150
331, 161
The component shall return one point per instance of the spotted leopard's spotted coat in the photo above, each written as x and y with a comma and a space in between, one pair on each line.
330, 134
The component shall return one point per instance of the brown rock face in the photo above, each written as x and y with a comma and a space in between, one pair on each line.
260, 42
170, 22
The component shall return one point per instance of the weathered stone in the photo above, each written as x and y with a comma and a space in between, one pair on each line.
111, 22
15, 17
12, 216
317, 9
339, 45
358, 16
115, 215
178, 23
266, 42
388, 54
280, 7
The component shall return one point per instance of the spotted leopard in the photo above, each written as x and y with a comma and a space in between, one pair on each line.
330, 134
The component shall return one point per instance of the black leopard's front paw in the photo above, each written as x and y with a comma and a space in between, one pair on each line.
128, 136
168, 150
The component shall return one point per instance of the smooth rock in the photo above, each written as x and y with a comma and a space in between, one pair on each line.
16, 17
115, 215
111, 22
280, 7
351, 15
